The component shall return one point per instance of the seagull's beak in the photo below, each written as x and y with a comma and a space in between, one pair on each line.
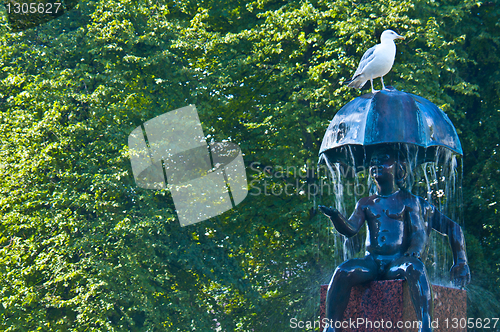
400, 37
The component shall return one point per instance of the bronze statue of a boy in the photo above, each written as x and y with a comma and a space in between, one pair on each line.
399, 225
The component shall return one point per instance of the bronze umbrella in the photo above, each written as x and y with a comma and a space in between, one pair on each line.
388, 117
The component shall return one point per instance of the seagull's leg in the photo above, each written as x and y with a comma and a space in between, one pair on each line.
382, 79
371, 81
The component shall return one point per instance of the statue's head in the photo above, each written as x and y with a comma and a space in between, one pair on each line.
388, 167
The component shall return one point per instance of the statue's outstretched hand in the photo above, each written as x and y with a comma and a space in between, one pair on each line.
460, 274
328, 211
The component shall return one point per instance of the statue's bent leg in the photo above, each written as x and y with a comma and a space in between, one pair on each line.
413, 271
347, 274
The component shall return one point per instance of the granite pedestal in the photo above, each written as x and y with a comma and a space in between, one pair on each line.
386, 306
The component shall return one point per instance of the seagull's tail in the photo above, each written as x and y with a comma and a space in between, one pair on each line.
356, 82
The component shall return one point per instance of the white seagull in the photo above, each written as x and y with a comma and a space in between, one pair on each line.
376, 62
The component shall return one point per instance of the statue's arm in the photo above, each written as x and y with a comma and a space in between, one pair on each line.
445, 225
348, 227
460, 272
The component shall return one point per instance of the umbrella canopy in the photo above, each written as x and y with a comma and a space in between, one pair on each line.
388, 117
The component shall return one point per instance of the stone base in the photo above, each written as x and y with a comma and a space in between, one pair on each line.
379, 302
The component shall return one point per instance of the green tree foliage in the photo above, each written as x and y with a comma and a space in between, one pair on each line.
83, 248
